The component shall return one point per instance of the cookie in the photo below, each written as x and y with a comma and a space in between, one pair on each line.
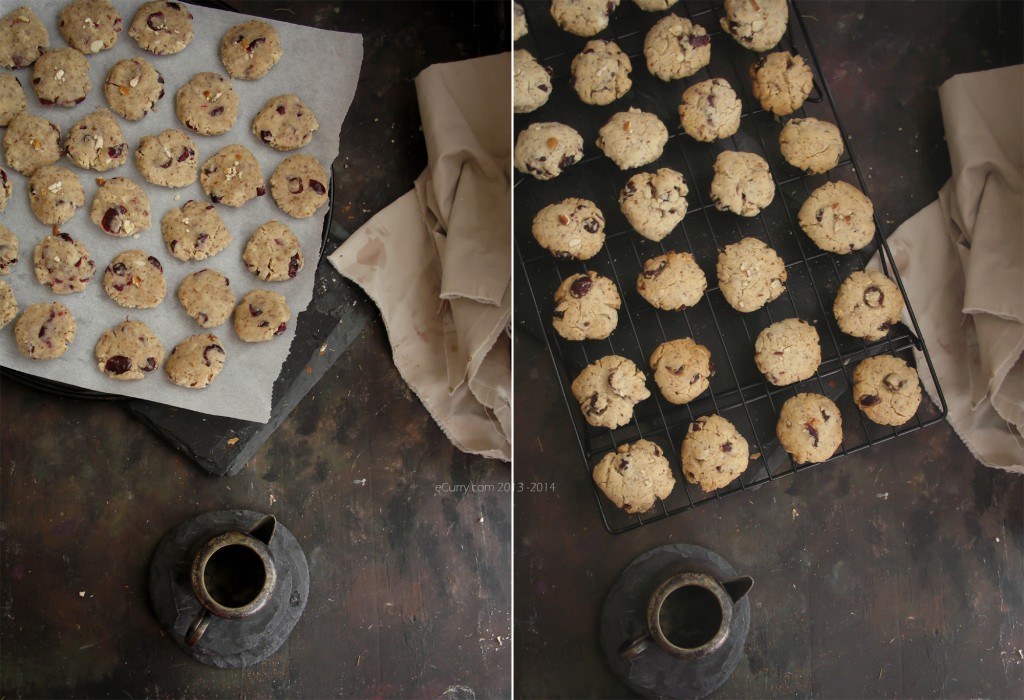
45, 331
206, 296
63, 264
232, 176
810, 428
273, 253
12, 98
168, 159
90, 26
886, 389
23, 38
207, 104
6, 189
129, 351
195, 231
676, 48
121, 208
867, 305
583, 17
813, 145
608, 390
673, 281
8, 250
162, 28
135, 280
531, 83
756, 24
742, 183
285, 123
682, 369
250, 49
710, 110
586, 307
634, 476
545, 149
750, 274
654, 203
572, 229
31, 142
654, 5
299, 186
781, 82
54, 194
61, 78
8, 304
196, 361
787, 351
133, 87
633, 138
96, 142
260, 316
519, 26
600, 72
714, 453
838, 217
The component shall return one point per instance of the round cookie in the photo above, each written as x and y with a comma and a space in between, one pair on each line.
572, 229
582, 17
120, 208
586, 307
810, 428
676, 48
886, 389
273, 253
23, 38
714, 453
299, 186
232, 176
168, 159
710, 110
31, 142
196, 361
781, 82
261, 315
128, 351
54, 194
8, 304
63, 264
672, 282
545, 149
682, 369
756, 24
633, 138
96, 142
654, 5
206, 296
750, 274
45, 331
207, 104
654, 203
133, 87
6, 189
250, 49
195, 231
634, 476
61, 78
787, 351
742, 183
838, 217
12, 98
867, 305
519, 26
135, 280
600, 72
608, 389
162, 28
8, 250
813, 145
531, 83
90, 26
285, 123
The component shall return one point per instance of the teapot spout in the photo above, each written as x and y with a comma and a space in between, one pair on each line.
264, 529
738, 587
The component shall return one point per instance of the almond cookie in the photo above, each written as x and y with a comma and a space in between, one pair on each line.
6, 189
232, 176
250, 49
838, 217
285, 123
813, 145
207, 104
582, 17
8, 250
63, 264
710, 110
634, 476
12, 98
168, 159
90, 26
45, 331
586, 307
31, 142
120, 208
742, 183
756, 24
676, 48
633, 138
608, 389
61, 78
867, 305
654, 203
682, 369
128, 351
261, 315
162, 28
810, 428
519, 26
750, 274
886, 389
54, 194
299, 186
714, 453
572, 229
273, 253
545, 149
8, 304
531, 83
196, 361
96, 142
133, 87
600, 72
787, 351
673, 281
23, 38
135, 280
195, 231
206, 296
781, 82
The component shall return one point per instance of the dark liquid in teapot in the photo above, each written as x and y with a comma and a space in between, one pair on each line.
690, 617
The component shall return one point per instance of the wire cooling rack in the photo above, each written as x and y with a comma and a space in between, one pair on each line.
738, 391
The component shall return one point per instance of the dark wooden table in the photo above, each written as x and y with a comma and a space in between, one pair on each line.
895, 572
408, 539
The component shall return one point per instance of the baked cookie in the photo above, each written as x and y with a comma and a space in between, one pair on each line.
582, 17
273, 253
633, 138
61, 78
54, 194
600, 72
742, 183
90, 26
654, 203
572, 229
810, 144
676, 48
714, 453
787, 351
608, 389
838, 217
206, 296
886, 389
162, 28
129, 351
8, 304
135, 280
31, 142
810, 428
867, 305
781, 82
12, 98
6, 189
285, 123
196, 361
23, 38
299, 186
195, 231
673, 281
654, 5
168, 159
750, 274
586, 307
8, 250
682, 369
45, 331
634, 476
96, 142
710, 110
207, 104
63, 264
531, 83
519, 26
120, 208
545, 149
756, 24
261, 315
232, 176
133, 87
250, 49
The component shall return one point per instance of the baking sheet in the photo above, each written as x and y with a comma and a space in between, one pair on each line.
322, 68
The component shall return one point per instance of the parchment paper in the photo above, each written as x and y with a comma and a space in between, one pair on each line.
322, 68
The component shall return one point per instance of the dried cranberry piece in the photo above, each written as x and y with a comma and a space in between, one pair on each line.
695, 379
622, 466
255, 310
115, 152
559, 313
886, 325
174, 5
119, 269
563, 255
186, 153
818, 215
263, 324
201, 240
699, 40
217, 111
869, 400
698, 425
254, 43
202, 318
813, 433
651, 274
167, 164
543, 88
317, 187
80, 100
208, 349
36, 81
874, 296
215, 198
726, 447
281, 329
295, 185
45, 103
294, 265
566, 161
265, 136
281, 109
894, 382
118, 364
581, 286
156, 21
592, 409
591, 225
66, 236
260, 191
150, 364
155, 263
3, 175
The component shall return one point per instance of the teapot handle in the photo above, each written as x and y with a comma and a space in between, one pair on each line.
635, 646
738, 587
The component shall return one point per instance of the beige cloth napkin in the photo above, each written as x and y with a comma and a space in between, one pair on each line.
961, 260
438, 260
